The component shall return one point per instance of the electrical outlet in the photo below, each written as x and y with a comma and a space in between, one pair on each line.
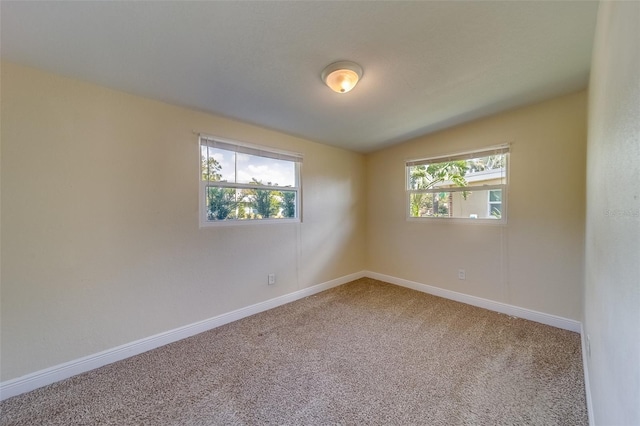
272, 279
462, 275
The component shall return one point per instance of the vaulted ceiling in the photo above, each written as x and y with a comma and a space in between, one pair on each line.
427, 65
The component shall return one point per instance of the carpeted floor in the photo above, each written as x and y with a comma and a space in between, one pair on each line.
363, 353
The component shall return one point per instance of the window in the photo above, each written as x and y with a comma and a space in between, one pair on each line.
247, 184
464, 186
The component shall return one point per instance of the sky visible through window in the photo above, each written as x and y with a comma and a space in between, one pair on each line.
249, 167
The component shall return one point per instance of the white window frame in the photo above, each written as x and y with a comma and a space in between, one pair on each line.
255, 150
466, 155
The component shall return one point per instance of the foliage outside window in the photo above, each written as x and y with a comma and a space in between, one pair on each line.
246, 184
471, 186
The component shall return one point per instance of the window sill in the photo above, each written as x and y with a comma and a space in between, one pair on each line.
247, 222
458, 221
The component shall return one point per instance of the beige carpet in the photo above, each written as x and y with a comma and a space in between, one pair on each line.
363, 353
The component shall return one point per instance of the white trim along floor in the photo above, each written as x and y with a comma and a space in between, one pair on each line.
59, 372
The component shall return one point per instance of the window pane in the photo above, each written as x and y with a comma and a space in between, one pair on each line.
249, 204
245, 207
472, 204
288, 204
484, 164
496, 211
266, 171
217, 164
437, 175
495, 195
419, 203
263, 202
221, 203
464, 204
488, 170
430, 205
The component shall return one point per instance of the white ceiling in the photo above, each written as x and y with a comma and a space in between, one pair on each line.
427, 65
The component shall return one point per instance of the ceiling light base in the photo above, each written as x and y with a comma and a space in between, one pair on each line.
342, 76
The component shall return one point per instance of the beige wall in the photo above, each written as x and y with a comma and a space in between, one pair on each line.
536, 260
100, 237
612, 278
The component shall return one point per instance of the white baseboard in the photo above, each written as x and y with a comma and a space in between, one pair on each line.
548, 319
585, 368
63, 371
516, 311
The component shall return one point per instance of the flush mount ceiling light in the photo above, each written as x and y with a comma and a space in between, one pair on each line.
342, 76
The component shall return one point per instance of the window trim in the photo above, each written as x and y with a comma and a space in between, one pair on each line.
255, 150
466, 155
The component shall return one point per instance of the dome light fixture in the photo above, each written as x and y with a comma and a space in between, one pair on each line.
342, 76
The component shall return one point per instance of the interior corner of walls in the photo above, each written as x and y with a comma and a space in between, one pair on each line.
585, 346
492, 305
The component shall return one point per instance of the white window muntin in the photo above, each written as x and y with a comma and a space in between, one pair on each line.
457, 189
467, 155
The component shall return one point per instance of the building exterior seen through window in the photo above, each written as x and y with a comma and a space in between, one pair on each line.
470, 186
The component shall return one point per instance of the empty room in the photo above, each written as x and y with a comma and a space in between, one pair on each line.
314, 212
